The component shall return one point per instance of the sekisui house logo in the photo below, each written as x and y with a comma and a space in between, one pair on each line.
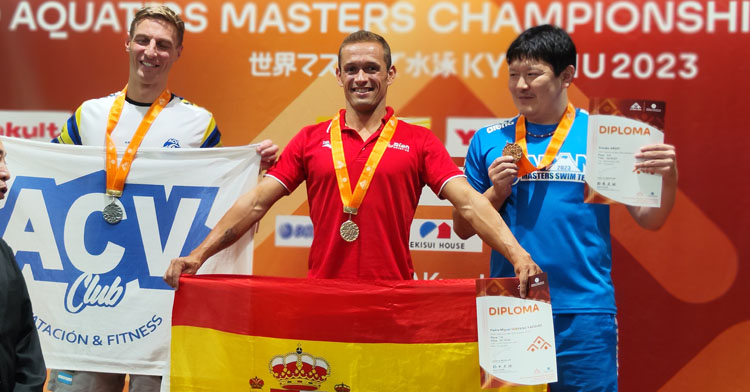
443, 230
636, 107
59, 231
301, 371
437, 235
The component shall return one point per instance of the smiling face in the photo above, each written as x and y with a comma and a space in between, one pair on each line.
364, 76
537, 93
153, 48
4, 172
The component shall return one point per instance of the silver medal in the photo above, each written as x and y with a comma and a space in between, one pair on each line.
112, 213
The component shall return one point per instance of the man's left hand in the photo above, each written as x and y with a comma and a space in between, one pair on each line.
658, 159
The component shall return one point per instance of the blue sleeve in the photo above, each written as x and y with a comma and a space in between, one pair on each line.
212, 136
474, 167
69, 133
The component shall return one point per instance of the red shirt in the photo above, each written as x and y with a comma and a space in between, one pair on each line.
414, 157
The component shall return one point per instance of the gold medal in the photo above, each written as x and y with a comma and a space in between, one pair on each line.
513, 150
352, 200
349, 231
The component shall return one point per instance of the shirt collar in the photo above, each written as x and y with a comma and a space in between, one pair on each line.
388, 114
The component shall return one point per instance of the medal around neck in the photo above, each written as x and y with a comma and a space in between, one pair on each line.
112, 213
352, 200
349, 231
117, 173
513, 150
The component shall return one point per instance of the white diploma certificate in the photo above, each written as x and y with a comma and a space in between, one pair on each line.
615, 135
516, 337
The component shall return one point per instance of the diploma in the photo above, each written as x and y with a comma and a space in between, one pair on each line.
516, 337
617, 130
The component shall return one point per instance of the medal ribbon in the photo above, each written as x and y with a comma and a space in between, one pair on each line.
561, 132
353, 201
116, 174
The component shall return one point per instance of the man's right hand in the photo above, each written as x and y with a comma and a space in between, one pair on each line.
502, 173
181, 265
524, 267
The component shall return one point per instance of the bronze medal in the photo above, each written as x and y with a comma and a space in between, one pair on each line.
513, 150
112, 213
349, 231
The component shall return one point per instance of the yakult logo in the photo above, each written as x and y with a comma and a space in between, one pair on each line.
58, 230
33, 125
460, 130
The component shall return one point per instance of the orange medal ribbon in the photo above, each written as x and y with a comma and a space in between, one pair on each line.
561, 132
116, 174
352, 201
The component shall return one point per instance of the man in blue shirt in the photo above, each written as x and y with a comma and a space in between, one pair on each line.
569, 239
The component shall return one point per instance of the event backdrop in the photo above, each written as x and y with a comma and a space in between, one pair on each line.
266, 68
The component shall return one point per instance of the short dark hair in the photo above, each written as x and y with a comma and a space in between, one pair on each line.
159, 12
546, 43
367, 36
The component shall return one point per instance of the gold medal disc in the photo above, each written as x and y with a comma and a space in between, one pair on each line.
349, 231
513, 150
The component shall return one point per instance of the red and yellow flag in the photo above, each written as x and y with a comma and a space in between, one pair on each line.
251, 333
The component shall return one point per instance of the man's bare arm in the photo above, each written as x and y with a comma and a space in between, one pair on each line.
245, 212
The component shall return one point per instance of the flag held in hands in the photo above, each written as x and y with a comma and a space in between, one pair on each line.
240, 333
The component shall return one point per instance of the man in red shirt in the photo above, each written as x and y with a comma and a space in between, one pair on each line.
361, 233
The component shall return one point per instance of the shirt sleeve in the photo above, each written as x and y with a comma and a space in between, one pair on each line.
30, 370
69, 133
474, 166
437, 163
212, 136
289, 169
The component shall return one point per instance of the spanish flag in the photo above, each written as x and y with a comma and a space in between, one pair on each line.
252, 333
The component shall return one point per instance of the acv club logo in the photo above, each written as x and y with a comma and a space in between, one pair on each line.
59, 231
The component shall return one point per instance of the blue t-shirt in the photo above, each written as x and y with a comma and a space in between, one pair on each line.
567, 238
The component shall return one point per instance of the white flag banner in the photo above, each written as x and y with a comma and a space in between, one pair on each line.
99, 300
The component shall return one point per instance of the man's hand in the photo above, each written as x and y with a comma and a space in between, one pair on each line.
267, 151
658, 159
524, 267
181, 265
502, 173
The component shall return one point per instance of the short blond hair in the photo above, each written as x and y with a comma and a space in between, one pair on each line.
159, 12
